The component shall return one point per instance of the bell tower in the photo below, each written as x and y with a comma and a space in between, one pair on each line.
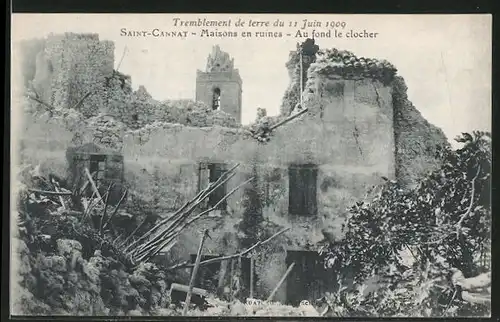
219, 86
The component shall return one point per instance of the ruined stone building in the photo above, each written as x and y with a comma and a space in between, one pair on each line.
360, 127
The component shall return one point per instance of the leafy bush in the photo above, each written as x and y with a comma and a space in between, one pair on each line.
413, 241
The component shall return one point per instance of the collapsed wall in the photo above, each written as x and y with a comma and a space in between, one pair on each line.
74, 73
138, 109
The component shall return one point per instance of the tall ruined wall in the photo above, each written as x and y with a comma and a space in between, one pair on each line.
69, 67
417, 141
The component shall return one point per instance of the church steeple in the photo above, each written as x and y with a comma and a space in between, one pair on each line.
219, 86
219, 61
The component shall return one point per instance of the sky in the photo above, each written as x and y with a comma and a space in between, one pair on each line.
445, 59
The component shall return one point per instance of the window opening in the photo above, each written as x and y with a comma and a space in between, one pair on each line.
216, 99
302, 189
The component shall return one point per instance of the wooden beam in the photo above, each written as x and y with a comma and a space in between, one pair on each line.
251, 276
94, 186
185, 289
56, 188
195, 271
280, 282
51, 193
288, 119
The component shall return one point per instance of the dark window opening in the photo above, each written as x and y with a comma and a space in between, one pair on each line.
104, 169
98, 168
308, 280
105, 166
302, 189
216, 98
209, 173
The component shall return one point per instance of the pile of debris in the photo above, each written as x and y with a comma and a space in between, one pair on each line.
263, 129
255, 307
88, 225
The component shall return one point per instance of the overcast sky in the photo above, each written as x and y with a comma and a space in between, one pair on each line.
445, 60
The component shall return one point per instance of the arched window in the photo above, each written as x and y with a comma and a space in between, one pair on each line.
216, 99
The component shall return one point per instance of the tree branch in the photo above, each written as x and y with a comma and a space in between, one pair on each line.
77, 105
194, 273
469, 209
105, 208
36, 99
94, 186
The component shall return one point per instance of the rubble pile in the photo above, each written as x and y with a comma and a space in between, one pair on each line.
253, 307
138, 109
261, 130
200, 115
70, 266
223, 119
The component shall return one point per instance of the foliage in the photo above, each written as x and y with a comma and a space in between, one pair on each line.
252, 214
413, 240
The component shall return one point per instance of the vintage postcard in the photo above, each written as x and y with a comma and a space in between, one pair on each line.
251, 165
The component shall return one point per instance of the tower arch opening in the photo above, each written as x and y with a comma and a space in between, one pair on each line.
216, 94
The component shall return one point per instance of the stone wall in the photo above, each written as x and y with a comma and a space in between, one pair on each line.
71, 66
417, 141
